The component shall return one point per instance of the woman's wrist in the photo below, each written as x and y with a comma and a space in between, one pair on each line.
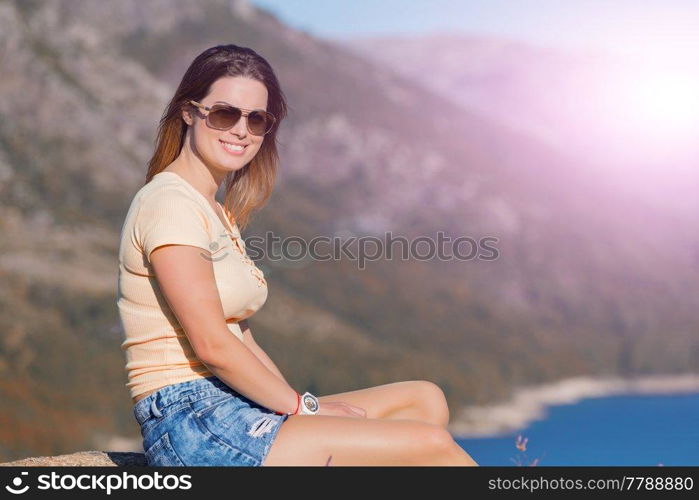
296, 410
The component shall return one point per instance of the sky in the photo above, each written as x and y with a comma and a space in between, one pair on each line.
658, 101
622, 26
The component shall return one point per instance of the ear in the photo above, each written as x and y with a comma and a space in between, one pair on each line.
187, 114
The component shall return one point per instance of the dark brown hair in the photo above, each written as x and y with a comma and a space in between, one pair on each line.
249, 188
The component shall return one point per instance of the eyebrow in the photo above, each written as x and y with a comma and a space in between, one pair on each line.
229, 104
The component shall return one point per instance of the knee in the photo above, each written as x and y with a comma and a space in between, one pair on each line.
436, 438
432, 400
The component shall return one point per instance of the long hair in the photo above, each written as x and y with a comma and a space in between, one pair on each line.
249, 188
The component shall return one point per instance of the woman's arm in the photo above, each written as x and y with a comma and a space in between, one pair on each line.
257, 350
188, 283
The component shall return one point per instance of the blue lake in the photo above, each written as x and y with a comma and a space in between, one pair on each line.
618, 430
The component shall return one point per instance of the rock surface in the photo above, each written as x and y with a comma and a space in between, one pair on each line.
83, 458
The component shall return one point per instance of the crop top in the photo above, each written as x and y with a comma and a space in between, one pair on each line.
169, 210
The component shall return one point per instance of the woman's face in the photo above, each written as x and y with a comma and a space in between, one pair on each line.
209, 142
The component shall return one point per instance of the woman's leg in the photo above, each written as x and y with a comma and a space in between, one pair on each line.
330, 440
412, 399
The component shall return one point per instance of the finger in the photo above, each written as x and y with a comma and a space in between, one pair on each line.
359, 410
351, 412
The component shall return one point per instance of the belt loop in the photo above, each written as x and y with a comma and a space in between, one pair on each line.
154, 409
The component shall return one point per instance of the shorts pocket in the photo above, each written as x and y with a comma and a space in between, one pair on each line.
204, 406
222, 442
167, 413
161, 453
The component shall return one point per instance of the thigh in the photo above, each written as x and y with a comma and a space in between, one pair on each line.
330, 440
382, 400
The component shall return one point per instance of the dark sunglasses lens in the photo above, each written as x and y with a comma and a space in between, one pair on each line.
259, 122
224, 118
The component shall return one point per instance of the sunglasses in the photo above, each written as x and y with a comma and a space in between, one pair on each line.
224, 116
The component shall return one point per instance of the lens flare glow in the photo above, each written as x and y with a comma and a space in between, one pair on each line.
667, 101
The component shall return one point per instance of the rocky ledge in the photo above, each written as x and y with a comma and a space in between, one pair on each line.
83, 458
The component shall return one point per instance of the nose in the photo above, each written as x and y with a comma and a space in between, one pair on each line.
241, 127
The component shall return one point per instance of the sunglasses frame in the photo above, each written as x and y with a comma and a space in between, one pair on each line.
243, 113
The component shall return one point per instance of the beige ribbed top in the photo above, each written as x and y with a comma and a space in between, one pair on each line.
169, 210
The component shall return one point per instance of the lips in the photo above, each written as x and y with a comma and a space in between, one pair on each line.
227, 147
233, 143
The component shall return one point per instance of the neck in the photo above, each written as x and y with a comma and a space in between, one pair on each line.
203, 178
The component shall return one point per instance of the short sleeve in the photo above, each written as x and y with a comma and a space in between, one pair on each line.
169, 216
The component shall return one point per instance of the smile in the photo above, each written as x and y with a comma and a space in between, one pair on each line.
233, 149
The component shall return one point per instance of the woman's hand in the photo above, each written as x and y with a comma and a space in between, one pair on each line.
340, 409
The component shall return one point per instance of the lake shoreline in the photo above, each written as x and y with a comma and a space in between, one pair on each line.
531, 403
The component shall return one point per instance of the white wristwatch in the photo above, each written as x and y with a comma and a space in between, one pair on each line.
309, 404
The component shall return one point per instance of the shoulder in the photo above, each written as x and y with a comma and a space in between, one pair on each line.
162, 188
164, 191
169, 202
168, 214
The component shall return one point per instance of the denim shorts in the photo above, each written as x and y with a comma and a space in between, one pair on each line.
203, 422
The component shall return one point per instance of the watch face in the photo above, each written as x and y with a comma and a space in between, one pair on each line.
310, 403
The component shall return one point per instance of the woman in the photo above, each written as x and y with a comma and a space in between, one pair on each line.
201, 395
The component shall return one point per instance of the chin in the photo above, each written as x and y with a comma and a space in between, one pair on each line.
232, 168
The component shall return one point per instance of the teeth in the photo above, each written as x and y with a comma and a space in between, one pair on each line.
231, 147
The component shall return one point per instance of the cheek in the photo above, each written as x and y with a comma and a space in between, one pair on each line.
211, 147
205, 140
254, 148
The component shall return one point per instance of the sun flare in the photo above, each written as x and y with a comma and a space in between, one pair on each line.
665, 102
